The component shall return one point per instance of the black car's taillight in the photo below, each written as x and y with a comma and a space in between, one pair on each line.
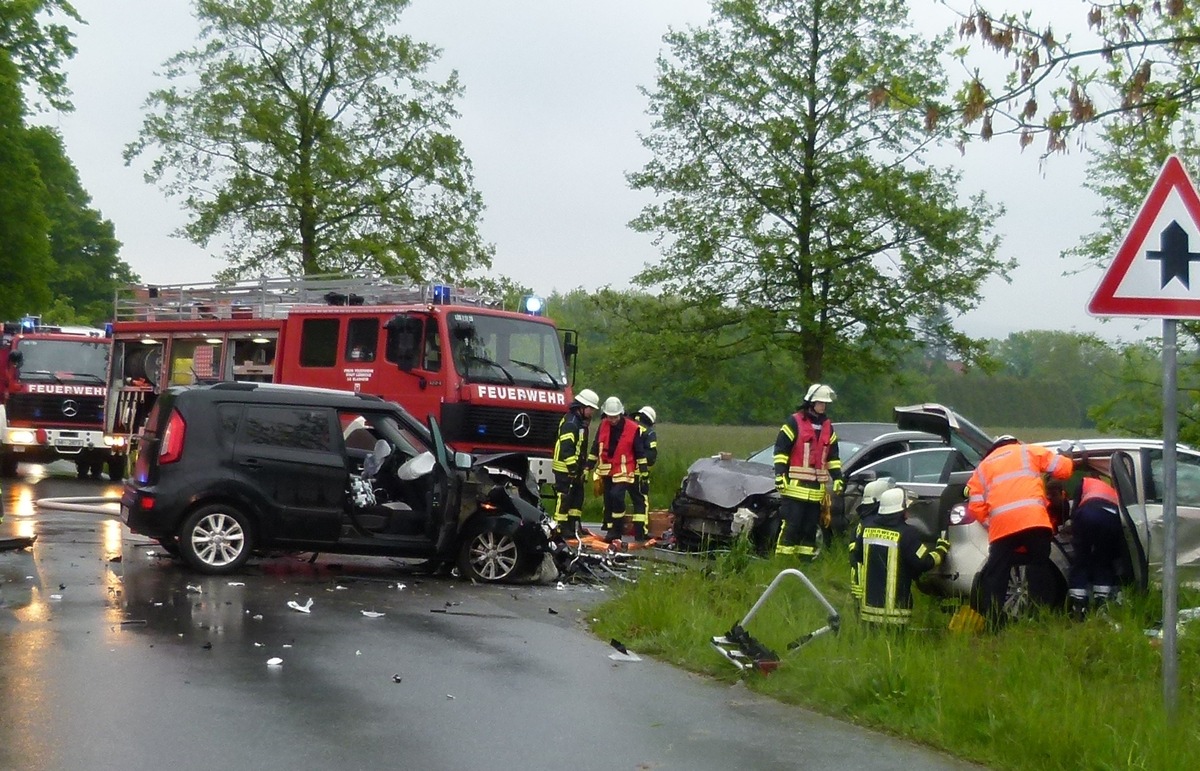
171, 448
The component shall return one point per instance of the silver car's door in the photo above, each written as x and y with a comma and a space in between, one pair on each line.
924, 473
1187, 497
1136, 526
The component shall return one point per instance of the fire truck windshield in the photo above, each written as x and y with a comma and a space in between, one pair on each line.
504, 350
85, 360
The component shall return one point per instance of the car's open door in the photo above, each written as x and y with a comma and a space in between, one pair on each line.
441, 508
1135, 565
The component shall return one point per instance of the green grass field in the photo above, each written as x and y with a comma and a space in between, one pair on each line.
1044, 694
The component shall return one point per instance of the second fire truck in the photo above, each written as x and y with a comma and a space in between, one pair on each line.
52, 391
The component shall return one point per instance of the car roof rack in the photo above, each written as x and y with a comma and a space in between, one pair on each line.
272, 298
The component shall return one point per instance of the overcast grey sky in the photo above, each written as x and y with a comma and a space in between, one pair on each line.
550, 121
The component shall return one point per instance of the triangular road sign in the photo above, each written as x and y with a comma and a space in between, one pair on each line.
1156, 272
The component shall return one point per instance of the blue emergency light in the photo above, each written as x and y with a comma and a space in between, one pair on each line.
533, 305
441, 294
31, 322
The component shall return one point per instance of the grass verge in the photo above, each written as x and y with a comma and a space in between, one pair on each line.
1044, 694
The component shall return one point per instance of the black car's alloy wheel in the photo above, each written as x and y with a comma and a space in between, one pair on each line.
215, 539
491, 557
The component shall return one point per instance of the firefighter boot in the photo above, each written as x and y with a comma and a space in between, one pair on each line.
1102, 596
570, 528
616, 531
639, 531
1077, 604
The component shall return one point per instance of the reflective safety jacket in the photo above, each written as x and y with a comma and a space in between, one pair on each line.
806, 456
619, 450
650, 437
569, 447
867, 514
1007, 494
1096, 491
893, 555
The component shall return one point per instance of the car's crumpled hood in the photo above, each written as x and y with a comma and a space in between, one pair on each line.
726, 483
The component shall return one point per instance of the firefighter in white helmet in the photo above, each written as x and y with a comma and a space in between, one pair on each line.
618, 456
640, 492
806, 460
568, 464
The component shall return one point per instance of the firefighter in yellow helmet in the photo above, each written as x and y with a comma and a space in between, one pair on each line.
806, 460
568, 463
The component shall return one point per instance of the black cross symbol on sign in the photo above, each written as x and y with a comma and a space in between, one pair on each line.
1174, 254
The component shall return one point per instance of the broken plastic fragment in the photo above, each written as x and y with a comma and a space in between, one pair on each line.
561, 586
358, 653
305, 608
400, 586
339, 588
626, 656
449, 696
553, 612
194, 589
56, 596
236, 583
275, 662
257, 617
396, 678
372, 614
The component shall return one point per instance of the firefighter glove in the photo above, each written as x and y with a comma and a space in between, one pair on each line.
644, 485
942, 546
838, 486
598, 485
780, 482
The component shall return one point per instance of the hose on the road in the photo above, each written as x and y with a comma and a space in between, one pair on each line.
94, 504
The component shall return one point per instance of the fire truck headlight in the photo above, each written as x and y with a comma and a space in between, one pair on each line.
533, 305
21, 436
116, 442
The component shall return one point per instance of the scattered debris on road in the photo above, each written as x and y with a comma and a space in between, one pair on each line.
305, 608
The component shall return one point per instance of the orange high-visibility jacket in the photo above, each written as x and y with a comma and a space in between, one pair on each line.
1097, 490
1007, 493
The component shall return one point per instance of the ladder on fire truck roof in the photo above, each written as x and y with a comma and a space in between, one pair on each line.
268, 298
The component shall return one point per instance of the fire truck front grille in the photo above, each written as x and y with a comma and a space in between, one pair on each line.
56, 409
504, 425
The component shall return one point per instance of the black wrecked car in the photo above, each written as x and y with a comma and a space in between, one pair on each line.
721, 497
226, 470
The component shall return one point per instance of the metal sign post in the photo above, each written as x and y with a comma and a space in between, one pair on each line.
1150, 277
1170, 648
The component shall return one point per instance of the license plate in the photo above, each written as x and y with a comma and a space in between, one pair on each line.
70, 443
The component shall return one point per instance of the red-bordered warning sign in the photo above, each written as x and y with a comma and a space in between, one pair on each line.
1156, 272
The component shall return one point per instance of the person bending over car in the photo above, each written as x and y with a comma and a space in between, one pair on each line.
893, 555
806, 459
1008, 496
1098, 541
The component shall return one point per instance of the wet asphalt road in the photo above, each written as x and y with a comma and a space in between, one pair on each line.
113, 656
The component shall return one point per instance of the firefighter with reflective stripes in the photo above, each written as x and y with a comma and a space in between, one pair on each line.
1008, 496
618, 456
806, 460
568, 463
1098, 541
868, 512
894, 555
640, 492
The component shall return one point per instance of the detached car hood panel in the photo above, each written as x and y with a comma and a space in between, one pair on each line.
726, 483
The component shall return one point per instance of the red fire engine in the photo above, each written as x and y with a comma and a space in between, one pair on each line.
495, 380
52, 389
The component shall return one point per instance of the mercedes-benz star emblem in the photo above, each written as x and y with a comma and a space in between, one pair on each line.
521, 425
70, 408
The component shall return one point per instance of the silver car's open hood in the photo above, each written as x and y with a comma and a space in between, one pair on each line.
726, 483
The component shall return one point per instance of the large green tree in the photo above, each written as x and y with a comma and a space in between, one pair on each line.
1123, 58
794, 207
25, 260
309, 135
38, 46
83, 245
